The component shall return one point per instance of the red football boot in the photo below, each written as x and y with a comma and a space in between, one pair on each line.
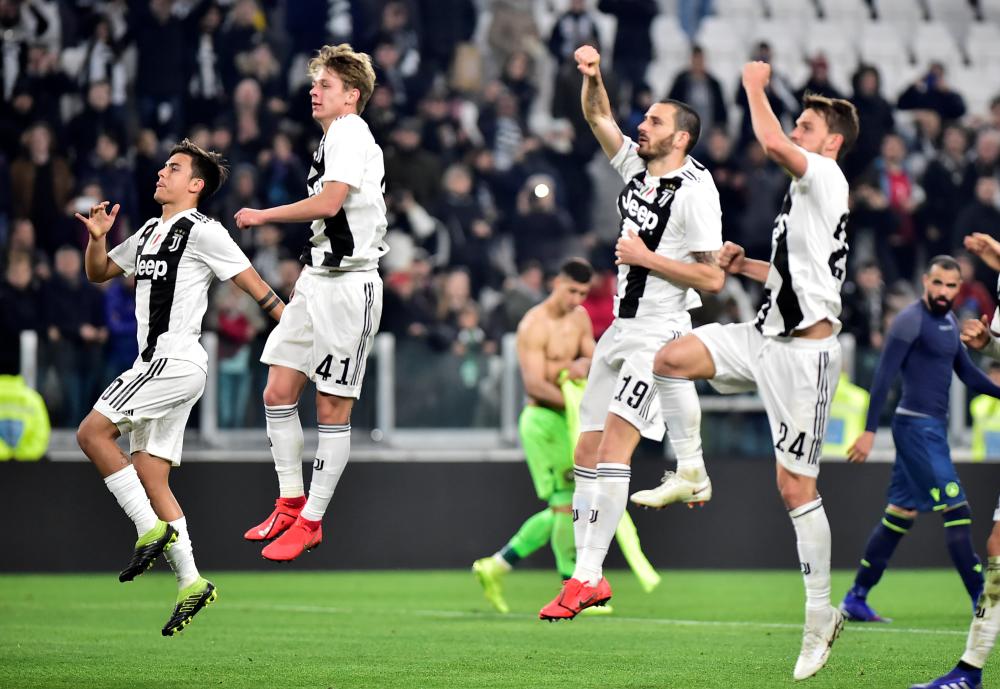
301, 536
574, 597
286, 511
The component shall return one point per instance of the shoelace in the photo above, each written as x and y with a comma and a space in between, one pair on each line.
667, 475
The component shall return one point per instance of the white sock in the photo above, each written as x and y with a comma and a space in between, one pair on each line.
285, 435
812, 532
584, 492
181, 555
331, 458
125, 485
606, 512
682, 416
984, 630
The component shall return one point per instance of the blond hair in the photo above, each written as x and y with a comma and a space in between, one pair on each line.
354, 69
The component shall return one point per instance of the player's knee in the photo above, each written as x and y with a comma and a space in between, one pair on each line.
278, 395
667, 361
90, 433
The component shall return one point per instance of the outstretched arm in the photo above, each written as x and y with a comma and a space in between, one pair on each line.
325, 204
766, 126
972, 376
596, 105
97, 264
253, 284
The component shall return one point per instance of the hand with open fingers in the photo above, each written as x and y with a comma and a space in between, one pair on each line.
985, 247
731, 257
976, 332
588, 60
631, 250
862, 447
249, 217
99, 222
756, 75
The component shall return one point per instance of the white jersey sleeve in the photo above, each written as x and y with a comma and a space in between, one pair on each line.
345, 151
217, 249
124, 254
626, 161
703, 219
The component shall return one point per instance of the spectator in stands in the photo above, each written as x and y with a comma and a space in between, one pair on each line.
443, 134
697, 87
409, 167
22, 241
945, 178
119, 313
863, 313
397, 28
237, 320
400, 315
241, 192
250, 123
819, 79
985, 160
721, 161
517, 79
779, 94
103, 59
241, 31
283, 175
974, 299
573, 28
45, 82
110, 169
541, 230
501, 125
513, 29
161, 73
148, 161
893, 196
600, 301
633, 47
268, 253
764, 187
74, 312
388, 65
98, 117
41, 184
205, 97
380, 113
932, 92
567, 162
982, 214
520, 293
21, 296
444, 25
875, 118
470, 232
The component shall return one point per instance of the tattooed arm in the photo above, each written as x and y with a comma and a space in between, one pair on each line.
704, 274
251, 283
594, 98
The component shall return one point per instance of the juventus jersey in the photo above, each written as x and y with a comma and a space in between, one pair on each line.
674, 215
808, 252
353, 238
174, 263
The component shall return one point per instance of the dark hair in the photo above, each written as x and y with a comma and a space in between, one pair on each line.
685, 120
840, 115
945, 261
577, 270
207, 166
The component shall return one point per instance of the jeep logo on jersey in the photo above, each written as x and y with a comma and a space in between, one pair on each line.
150, 269
637, 210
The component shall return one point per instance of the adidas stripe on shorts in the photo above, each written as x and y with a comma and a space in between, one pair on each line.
151, 403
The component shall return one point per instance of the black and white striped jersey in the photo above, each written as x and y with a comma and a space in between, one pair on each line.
174, 263
675, 215
353, 239
808, 252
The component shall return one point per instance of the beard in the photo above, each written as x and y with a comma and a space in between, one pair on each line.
939, 306
660, 150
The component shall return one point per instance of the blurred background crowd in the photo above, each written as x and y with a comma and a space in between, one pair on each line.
492, 175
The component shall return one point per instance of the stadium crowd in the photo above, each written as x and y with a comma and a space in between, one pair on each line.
492, 175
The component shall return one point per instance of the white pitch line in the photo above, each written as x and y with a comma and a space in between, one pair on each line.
466, 614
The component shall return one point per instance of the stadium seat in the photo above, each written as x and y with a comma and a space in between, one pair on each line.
785, 39
882, 46
932, 42
957, 16
990, 10
853, 12
671, 53
903, 14
969, 82
723, 38
837, 42
792, 10
749, 11
982, 44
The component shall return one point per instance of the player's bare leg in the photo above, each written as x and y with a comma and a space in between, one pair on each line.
812, 530
97, 438
676, 366
612, 470
284, 432
306, 533
193, 591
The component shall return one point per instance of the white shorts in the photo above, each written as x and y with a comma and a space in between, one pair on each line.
621, 375
326, 330
796, 379
151, 403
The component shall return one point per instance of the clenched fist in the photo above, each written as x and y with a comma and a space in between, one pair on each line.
756, 75
588, 60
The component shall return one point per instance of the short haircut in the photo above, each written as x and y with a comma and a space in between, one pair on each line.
207, 166
577, 270
840, 115
685, 120
945, 261
354, 69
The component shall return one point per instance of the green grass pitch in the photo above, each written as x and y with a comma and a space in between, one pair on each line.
433, 629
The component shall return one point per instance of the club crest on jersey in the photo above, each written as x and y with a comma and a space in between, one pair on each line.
175, 241
665, 197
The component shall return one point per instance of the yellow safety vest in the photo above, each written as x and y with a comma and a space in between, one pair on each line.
24, 421
847, 418
985, 427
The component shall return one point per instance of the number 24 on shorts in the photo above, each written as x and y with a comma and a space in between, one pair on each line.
796, 448
323, 370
